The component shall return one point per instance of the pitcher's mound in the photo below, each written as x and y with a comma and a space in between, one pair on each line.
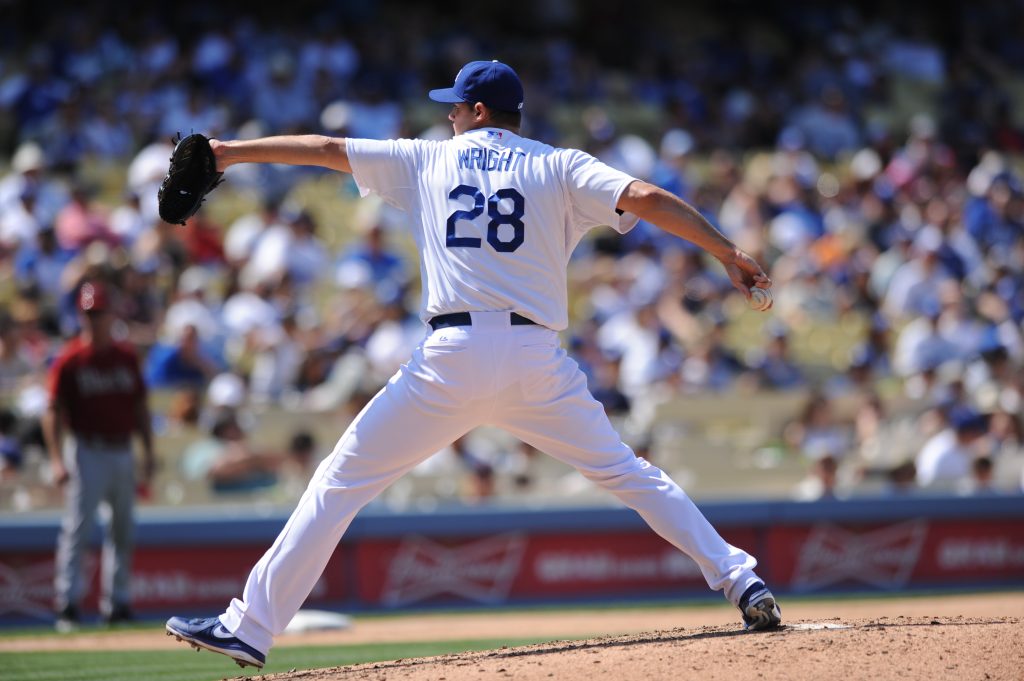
911, 648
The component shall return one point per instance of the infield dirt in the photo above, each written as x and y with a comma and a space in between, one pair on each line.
922, 638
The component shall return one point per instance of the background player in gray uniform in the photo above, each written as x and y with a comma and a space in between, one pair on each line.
496, 217
98, 399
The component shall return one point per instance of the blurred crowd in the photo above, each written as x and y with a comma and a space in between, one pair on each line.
892, 223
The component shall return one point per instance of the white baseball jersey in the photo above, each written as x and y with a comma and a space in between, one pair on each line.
495, 215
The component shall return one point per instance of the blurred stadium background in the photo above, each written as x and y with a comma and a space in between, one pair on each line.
870, 154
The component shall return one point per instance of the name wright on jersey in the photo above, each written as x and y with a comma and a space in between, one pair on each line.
495, 160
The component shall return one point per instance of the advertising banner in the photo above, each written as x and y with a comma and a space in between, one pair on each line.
198, 579
503, 557
516, 566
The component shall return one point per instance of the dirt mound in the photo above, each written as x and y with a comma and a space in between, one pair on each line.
966, 637
902, 647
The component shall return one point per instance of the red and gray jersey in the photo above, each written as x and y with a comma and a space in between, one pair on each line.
495, 215
98, 390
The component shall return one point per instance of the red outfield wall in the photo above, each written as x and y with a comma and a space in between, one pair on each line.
196, 566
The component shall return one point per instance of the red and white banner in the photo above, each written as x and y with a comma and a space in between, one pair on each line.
397, 572
519, 567
198, 579
893, 556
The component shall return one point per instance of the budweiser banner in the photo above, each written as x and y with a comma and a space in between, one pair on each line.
516, 567
204, 579
556, 556
896, 556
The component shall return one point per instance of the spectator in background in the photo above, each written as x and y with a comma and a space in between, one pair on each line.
192, 307
981, 481
142, 304
882, 440
913, 289
184, 411
820, 482
370, 253
181, 364
604, 386
63, 134
817, 433
635, 335
1006, 134
14, 368
901, 480
18, 224
227, 394
957, 324
80, 223
146, 171
283, 101
277, 357
858, 379
98, 400
393, 339
920, 346
776, 369
160, 249
946, 460
828, 125
244, 233
996, 218
127, 221
478, 485
523, 462
37, 328
991, 369
202, 240
373, 115
193, 112
28, 178
226, 460
670, 172
897, 251
290, 249
709, 367
1006, 443
251, 308
107, 136
252, 320
296, 466
10, 448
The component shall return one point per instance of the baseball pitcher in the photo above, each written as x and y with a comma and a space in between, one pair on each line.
495, 216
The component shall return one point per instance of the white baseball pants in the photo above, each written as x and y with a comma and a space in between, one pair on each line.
491, 373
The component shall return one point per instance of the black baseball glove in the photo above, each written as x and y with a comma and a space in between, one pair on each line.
191, 176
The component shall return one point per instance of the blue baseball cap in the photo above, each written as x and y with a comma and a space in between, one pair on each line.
491, 82
964, 419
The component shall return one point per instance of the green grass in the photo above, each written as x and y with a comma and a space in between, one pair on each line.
184, 664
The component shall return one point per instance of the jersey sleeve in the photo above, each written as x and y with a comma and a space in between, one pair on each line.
387, 168
594, 190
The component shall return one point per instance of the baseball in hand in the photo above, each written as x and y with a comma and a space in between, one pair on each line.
760, 299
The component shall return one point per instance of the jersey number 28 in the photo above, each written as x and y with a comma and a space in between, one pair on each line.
513, 218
